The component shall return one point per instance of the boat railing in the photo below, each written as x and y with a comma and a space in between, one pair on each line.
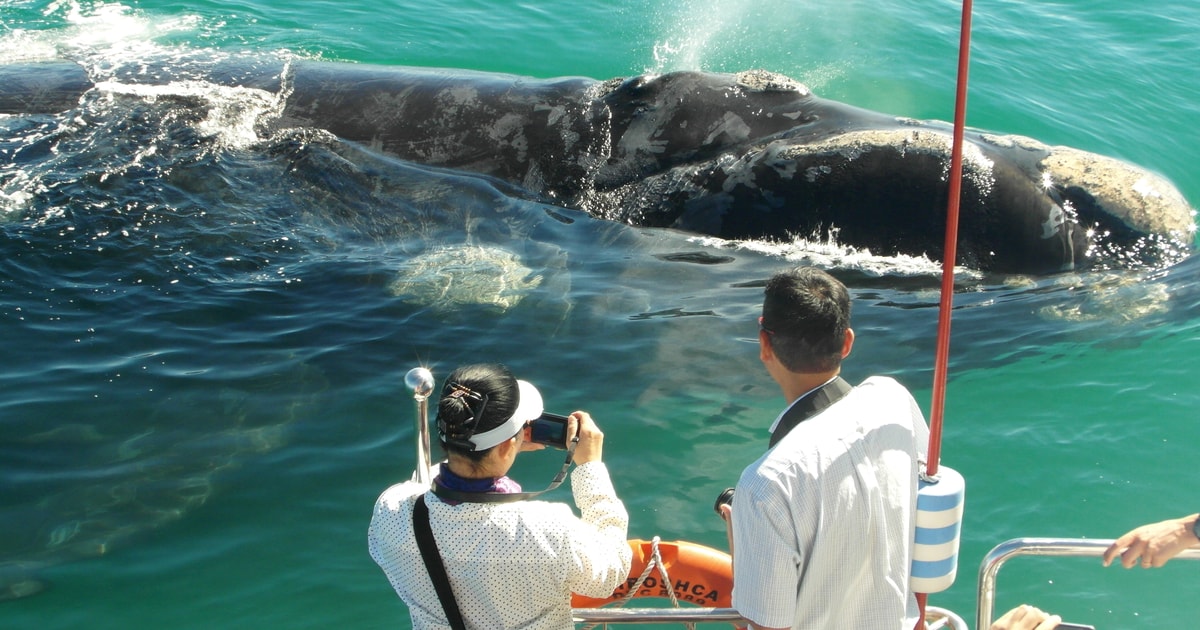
603, 617
936, 618
1061, 547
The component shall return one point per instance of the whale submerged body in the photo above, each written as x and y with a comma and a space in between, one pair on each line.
751, 155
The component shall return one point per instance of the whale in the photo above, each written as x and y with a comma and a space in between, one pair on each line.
746, 155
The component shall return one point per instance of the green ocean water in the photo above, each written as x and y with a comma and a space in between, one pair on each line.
199, 409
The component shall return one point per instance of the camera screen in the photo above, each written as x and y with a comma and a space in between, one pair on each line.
549, 429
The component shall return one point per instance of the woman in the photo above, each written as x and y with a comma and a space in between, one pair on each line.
509, 563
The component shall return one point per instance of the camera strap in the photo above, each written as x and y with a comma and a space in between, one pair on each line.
810, 405
450, 494
434, 564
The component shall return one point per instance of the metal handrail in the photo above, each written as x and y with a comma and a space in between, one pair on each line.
940, 617
1060, 547
631, 616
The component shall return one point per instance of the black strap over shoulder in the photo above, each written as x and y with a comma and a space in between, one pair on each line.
810, 405
450, 494
433, 563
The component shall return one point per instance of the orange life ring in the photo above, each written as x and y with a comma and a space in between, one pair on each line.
700, 575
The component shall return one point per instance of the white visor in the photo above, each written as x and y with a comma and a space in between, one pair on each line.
529, 407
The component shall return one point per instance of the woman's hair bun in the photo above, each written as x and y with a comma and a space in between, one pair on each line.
475, 398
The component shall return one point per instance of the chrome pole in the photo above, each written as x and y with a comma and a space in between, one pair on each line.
420, 381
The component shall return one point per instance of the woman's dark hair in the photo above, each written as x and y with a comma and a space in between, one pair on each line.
806, 312
486, 390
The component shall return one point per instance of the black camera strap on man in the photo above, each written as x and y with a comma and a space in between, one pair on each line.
807, 406
810, 405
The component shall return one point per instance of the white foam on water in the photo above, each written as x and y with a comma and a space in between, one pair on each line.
105, 29
233, 112
827, 252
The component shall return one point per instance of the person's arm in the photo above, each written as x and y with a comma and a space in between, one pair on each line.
1026, 617
726, 512
602, 549
766, 566
1154, 544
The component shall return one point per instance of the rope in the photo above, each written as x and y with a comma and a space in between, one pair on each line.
655, 561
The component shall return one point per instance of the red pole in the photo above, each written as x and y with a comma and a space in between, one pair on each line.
941, 358
951, 247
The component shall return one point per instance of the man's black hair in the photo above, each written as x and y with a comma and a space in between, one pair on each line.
806, 312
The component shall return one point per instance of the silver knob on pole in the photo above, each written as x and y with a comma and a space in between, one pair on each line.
420, 381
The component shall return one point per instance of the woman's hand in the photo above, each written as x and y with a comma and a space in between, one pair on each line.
590, 446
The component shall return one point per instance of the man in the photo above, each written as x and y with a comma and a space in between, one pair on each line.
822, 525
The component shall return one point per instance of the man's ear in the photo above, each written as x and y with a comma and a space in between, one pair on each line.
765, 351
848, 343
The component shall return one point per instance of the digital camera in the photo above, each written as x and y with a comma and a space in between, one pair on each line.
549, 429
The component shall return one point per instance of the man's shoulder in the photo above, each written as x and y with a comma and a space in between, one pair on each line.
881, 382
879, 389
795, 460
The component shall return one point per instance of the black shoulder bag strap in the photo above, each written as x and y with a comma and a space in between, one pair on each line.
433, 563
813, 403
